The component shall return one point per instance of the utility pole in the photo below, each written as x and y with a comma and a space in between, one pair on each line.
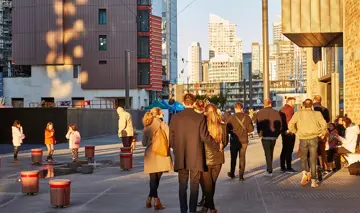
265, 34
127, 79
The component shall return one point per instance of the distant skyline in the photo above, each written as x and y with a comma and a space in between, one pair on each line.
193, 23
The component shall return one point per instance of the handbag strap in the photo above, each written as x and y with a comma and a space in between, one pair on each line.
240, 122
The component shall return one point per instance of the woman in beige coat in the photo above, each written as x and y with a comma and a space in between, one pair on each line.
154, 165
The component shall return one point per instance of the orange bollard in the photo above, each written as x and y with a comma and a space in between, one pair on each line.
125, 149
126, 161
36, 156
30, 182
90, 152
60, 192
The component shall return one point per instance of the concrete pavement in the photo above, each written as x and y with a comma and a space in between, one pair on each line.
111, 190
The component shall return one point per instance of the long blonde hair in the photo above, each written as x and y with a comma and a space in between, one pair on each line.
214, 122
151, 115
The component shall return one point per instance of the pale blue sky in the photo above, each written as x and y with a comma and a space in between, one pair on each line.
246, 14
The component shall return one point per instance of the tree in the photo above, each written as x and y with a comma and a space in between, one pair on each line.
222, 100
200, 97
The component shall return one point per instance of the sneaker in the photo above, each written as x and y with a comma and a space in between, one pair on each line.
268, 174
304, 179
231, 175
16, 161
291, 170
283, 169
314, 184
241, 178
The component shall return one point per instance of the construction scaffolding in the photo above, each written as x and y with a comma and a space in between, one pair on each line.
5, 33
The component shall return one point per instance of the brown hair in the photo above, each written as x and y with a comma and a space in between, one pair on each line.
317, 98
347, 122
48, 124
16, 122
189, 99
308, 103
214, 122
156, 111
199, 105
267, 102
290, 99
147, 119
73, 127
238, 105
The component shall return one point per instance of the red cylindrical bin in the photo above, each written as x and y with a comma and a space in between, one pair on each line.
126, 161
36, 155
90, 152
60, 192
30, 182
125, 149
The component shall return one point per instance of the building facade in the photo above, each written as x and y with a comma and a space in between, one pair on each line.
205, 70
5, 33
195, 64
257, 60
224, 68
247, 63
285, 60
57, 66
222, 38
169, 41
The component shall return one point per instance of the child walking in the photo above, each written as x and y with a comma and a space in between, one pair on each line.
50, 140
74, 141
17, 138
331, 146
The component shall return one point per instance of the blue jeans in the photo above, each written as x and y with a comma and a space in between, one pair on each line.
306, 146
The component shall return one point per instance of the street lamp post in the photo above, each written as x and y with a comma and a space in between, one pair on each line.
265, 34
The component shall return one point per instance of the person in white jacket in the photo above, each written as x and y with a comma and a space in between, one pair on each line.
17, 138
74, 138
351, 135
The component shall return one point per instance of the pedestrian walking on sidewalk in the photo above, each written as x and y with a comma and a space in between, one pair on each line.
227, 114
17, 138
155, 165
308, 125
126, 130
322, 159
214, 159
268, 123
50, 140
188, 133
73, 135
288, 138
239, 126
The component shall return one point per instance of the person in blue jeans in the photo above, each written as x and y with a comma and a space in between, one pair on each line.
308, 125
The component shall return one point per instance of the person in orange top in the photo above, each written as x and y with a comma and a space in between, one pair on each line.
50, 140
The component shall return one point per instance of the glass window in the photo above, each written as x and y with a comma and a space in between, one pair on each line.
143, 47
76, 71
102, 43
143, 20
144, 2
102, 16
144, 73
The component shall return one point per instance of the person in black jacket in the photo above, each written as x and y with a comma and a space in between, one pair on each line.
188, 133
268, 123
239, 126
227, 114
322, 141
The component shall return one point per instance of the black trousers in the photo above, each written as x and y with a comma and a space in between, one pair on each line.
235, 149
154, 184
183, 175
16, 151
288, 142
268, 146
210, 178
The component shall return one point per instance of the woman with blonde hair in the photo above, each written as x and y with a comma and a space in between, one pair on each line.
154, 165
214, 159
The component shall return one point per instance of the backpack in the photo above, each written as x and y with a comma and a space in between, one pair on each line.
160, 144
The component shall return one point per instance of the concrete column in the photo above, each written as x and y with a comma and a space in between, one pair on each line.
309, 66
335, 109
265, 34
